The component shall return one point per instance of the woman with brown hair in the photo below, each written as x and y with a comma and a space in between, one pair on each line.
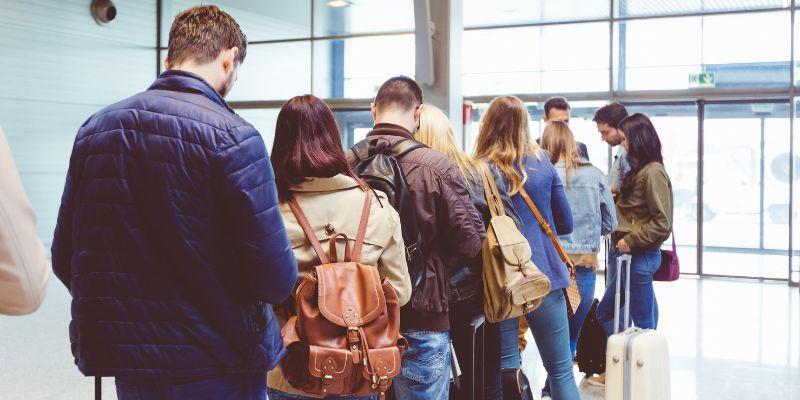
310, 166
504, 140
593, 215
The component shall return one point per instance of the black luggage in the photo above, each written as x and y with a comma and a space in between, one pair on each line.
591, 351
469, 386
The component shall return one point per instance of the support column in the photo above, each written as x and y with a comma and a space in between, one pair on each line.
442, 87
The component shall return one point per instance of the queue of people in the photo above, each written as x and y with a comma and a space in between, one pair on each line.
188, 248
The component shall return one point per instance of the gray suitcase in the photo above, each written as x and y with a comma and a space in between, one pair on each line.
637, 360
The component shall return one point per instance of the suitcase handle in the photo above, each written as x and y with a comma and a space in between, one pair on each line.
620, 259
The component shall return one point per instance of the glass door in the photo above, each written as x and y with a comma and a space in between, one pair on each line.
676, 124
746, 189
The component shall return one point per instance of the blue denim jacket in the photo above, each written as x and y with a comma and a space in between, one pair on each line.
592, 206
547, 192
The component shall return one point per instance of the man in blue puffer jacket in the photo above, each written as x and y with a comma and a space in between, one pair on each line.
169, 237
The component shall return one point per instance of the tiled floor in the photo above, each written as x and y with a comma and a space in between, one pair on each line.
728, 340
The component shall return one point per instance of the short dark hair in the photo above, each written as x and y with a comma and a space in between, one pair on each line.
307, 144
201, 33
611, 114
399, 91
559, 103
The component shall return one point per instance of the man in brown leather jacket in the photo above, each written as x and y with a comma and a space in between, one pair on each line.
451, 228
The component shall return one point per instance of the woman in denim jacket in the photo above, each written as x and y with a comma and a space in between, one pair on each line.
504, 139
593, 216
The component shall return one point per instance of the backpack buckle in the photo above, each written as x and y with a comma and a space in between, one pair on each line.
528, 305
327, 380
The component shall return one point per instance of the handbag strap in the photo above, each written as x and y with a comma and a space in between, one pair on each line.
490, 191
548, 230
355, 255
673, 242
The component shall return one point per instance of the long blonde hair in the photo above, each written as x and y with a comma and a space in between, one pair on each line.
505, 139
559, 141
436, 132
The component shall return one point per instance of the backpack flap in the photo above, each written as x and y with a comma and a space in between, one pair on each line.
331, 366
384, 364
349, 293
512, 245
529, 292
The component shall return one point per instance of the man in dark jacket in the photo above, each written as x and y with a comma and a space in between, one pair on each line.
450, 227
169, 236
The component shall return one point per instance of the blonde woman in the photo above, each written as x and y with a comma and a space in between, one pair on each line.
465, 279
504, 139
593, 214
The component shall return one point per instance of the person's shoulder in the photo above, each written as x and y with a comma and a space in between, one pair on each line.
433, 160
655, 170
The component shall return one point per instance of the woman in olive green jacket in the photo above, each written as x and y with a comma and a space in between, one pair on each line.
310, 166
644, 212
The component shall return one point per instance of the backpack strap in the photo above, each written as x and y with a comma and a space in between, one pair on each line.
312, 238
404, 146
362, 227
361, 150
548, 230
490, 191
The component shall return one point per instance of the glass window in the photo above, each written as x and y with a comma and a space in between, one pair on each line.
638, 8
355, 68
353, 125
264, 120
746, 190
561, 58
259, 19
743, 50
274, 71
795, 164
505, 12
342, 17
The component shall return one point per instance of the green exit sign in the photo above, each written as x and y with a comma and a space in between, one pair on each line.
703, 80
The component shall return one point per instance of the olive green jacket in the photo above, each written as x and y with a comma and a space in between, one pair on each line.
645, 216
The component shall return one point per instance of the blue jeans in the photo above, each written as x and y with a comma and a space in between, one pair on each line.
224, 387
585, 278
644, 307
550, 330
278, 395
425, 371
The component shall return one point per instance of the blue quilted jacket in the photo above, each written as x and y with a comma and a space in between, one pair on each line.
170, 240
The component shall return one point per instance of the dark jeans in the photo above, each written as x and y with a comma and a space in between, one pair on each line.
585, 278
461, 333
644, 307
224, 387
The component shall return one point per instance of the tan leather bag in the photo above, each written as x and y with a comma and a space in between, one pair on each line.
512, 284
345, 338
571, 293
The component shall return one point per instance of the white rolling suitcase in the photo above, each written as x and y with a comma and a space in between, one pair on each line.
637, 360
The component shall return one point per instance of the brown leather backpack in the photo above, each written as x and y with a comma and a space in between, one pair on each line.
345, 338
512, 284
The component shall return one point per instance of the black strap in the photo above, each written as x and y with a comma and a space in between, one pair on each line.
365, 149
404, 146
361, 150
